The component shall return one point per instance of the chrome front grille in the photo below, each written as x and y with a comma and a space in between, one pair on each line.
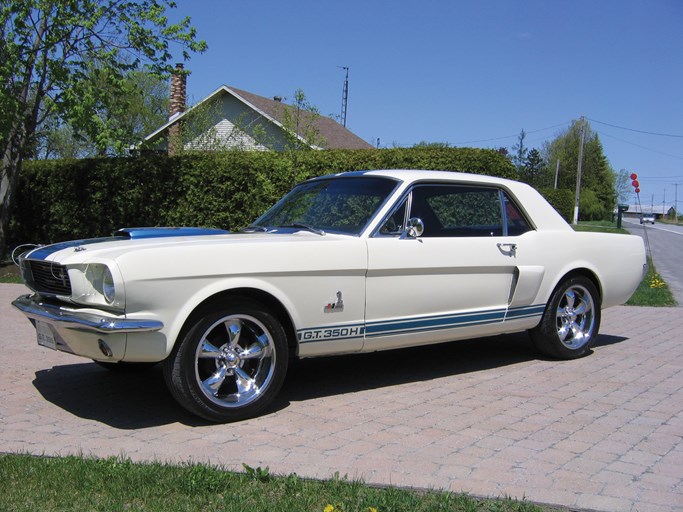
48, 277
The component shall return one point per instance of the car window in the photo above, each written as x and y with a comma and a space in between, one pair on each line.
342, 205
515, 220
459, 211
396, 221
449, 211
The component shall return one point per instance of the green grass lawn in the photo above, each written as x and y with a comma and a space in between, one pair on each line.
602, 226
9, 273
75, 483
653, 291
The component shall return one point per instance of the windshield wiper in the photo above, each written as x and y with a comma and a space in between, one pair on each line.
304, 226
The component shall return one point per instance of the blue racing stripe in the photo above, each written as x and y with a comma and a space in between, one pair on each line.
417, 324
41, 253
420, 324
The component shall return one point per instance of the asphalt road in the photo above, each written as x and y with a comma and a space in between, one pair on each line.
666, 245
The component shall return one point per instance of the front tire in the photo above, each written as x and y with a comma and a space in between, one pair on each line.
571, 320
230, 364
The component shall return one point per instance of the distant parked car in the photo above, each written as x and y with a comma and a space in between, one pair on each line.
647, 218
354, 262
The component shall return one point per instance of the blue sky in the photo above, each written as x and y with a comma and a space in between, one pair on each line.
471, 73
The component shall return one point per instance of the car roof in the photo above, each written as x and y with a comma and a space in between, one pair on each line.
412, 175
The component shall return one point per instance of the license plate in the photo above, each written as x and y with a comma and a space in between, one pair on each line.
45, 336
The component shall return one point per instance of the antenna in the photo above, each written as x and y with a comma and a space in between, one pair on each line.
345, 95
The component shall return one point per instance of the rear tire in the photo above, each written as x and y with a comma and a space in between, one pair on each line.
230, 364
571, 320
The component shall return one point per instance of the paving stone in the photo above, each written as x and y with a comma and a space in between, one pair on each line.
600, 433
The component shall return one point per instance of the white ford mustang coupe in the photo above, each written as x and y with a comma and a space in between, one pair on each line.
354, 262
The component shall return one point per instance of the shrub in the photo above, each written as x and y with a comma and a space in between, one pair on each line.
68, 199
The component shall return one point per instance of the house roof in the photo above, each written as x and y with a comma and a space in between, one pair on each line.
335, 135
648, 208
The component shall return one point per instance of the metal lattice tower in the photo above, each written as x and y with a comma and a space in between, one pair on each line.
345, 96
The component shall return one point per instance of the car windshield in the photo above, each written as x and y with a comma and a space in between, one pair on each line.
338, 205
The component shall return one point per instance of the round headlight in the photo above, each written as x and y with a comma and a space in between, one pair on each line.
108, 288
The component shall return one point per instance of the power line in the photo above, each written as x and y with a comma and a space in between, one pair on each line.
511, 136
634, 130
638, 145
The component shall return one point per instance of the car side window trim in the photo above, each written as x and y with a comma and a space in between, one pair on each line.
504, 201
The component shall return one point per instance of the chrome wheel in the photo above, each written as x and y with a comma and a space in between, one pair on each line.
571, 320
230, 363
575, 317
235, 361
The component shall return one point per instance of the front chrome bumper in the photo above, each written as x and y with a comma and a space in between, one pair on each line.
33, 308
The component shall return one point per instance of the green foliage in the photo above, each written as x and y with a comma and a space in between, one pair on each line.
653, 291
562, 200
298, 120
137, 109
67, 199
64, 59
520, 152
590, 207
259, 474
597, 175
532, 171
75, 484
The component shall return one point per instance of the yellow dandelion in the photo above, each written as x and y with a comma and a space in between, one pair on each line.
328, 508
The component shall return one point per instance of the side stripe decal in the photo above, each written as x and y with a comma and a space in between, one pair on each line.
417, 324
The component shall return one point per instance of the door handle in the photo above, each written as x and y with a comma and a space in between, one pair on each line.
510, 249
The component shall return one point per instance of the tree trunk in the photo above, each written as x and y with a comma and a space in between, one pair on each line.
9, 174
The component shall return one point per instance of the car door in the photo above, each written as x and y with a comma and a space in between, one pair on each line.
452, 281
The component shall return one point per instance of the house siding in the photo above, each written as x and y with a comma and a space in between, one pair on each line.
234, 119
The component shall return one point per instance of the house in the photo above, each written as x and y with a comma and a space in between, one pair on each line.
232, 118
659, 211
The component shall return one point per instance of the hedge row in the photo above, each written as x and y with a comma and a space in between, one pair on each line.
562, 200
67, 199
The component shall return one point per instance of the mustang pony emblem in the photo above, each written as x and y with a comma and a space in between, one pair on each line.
335, 307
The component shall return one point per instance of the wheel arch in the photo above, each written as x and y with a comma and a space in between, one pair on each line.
274, 306
582, 272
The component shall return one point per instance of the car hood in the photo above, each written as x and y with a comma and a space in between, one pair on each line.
191, 253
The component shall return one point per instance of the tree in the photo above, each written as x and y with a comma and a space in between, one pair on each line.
520, 152
622, 186
532, 172
139, 110
597, 174
53, 55
299, 121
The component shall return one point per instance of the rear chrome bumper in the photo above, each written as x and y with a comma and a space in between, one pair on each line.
34, 308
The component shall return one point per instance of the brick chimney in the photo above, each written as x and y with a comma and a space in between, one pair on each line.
178, 92
176, 106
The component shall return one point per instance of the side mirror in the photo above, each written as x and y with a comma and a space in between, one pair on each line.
414, 229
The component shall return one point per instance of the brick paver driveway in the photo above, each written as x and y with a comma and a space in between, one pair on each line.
487, 417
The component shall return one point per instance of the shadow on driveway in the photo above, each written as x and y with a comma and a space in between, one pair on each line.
141, 400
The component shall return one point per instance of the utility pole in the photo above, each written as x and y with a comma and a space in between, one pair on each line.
676, 202
557, 172
578, 172
345, 96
